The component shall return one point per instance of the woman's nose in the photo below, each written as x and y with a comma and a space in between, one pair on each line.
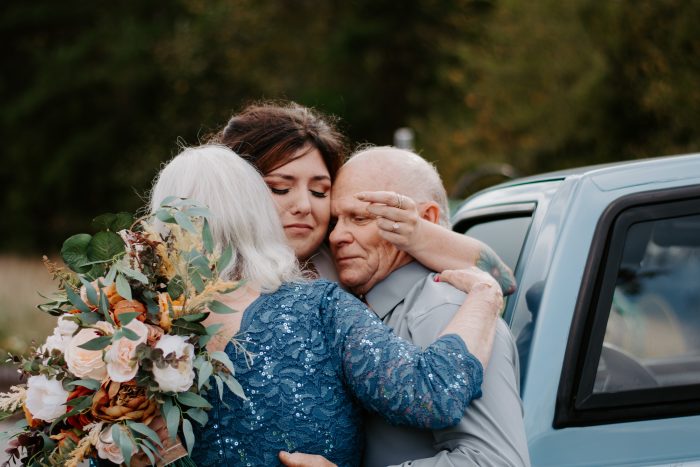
301, 204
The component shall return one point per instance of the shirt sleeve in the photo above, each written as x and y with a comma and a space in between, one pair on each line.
394, 378
492, 431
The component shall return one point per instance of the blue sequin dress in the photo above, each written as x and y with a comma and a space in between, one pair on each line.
319, 356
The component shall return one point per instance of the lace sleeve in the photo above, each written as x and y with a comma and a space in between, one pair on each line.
390, 376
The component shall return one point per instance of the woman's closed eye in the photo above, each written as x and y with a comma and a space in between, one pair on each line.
279, 191
319, 194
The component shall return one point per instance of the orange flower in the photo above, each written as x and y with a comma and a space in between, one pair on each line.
82, 419
165, 304
123, 401
31, 421
129, 306
64, 436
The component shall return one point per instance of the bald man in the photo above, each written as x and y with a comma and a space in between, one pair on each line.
405, 296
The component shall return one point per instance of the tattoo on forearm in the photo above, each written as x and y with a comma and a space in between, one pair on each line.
490, 262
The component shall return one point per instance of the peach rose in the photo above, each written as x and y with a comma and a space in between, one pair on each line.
129, 306
87, 363
107, 448
116, 401
121, 356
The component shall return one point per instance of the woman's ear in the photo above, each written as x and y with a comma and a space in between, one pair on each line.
430, 211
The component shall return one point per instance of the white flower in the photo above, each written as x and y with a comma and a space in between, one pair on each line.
121, 357
107, 448
62, 334
54, 342
65, 326
176, 378
87, 363
46, 398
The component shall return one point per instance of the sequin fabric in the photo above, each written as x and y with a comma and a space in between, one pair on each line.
318, 356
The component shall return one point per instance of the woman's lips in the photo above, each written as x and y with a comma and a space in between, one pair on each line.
298, 228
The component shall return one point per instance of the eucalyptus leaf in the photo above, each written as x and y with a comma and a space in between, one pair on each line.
191, 399
164, 216
88, 319
134, 274
218, 307
234, 386
198, 415
74, 252
225, 258
189, 435
97, 343
195, 317
76, 300
123, 287
126, 446
126, 318
145, 430
129, 334
89, 290
168, 200
172, 418
207, 238
184, 221
205, 372
200, 211
222, 357
219, 386
86, 383
197, 281
175, 287
148, 449
104, 307
111, 276
105, 246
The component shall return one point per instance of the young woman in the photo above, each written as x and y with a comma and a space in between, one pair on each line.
319, 352
299, 151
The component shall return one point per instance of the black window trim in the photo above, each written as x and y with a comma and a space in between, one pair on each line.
575, 406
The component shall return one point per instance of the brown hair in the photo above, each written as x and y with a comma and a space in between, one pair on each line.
268, 134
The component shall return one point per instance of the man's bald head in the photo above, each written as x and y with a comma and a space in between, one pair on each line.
384, 168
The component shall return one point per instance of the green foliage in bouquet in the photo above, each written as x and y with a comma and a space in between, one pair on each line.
130, 342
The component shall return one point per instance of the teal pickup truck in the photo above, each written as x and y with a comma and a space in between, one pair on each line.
607, 313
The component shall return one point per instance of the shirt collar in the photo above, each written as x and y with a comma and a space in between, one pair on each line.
388, 293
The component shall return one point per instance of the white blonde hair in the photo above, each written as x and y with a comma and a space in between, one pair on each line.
243, 213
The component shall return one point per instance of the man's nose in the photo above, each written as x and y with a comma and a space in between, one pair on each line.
302, 204
339, 235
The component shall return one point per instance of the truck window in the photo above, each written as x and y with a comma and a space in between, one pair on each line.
652, 337
505, 235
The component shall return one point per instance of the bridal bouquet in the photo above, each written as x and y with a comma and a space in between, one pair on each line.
129, 344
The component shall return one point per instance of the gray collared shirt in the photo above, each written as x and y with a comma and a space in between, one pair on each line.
491, 432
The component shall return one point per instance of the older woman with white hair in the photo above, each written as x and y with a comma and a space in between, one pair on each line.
319, 354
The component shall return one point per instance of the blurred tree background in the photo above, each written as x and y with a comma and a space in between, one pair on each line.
96, 96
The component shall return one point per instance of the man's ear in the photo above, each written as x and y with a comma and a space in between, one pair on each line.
430, 211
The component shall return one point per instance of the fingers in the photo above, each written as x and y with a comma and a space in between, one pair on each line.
467, 279
390, 198
299, 459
